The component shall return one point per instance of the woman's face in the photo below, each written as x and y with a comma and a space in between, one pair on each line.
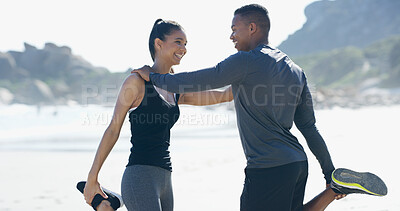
173, 48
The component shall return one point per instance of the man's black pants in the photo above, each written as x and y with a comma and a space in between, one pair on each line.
278, 188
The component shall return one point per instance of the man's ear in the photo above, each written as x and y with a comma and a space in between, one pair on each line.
158, 43
252, 28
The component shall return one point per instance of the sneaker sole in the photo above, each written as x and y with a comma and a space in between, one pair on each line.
364, 181
81, 185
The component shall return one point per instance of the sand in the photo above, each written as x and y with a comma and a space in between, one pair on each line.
208, 164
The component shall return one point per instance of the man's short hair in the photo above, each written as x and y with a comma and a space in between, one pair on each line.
255, 13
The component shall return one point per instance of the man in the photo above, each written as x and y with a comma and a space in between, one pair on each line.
270, 93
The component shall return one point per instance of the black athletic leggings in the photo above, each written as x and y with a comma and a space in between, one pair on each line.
278, 188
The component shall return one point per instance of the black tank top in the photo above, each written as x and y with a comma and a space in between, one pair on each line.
151, 122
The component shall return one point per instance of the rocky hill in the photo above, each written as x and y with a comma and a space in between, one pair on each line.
340, 23
53, 75
350, 51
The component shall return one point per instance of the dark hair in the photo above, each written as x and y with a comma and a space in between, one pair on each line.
255, 13
161, 28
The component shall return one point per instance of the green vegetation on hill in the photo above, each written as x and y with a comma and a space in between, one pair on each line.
378, 63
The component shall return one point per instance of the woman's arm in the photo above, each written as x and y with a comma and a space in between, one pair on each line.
206, 97
130, 95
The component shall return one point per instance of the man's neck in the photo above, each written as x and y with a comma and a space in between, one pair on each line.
257, 42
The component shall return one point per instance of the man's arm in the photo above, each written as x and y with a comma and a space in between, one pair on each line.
231, 70
305, 121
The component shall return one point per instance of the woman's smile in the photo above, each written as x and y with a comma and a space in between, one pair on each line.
179, 56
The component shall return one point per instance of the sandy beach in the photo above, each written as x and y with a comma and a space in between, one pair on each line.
207, 161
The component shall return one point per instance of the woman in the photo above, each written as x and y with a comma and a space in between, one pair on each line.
146, 183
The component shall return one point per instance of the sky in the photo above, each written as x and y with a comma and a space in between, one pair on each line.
114, 34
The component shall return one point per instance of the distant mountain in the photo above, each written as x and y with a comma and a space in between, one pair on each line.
53, 75
350, 51
341, 23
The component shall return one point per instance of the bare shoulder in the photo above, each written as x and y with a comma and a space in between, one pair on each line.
133, 90
134, 80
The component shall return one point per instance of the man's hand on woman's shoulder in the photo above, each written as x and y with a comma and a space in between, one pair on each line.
144, 72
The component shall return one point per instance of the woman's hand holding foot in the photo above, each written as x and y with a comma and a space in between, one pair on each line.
91, 189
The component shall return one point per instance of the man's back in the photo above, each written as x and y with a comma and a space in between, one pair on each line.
266, 100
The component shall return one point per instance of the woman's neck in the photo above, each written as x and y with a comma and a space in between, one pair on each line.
161, 67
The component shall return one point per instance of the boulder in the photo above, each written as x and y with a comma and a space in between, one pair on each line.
7, 65
51, 47
35, 92
6, 97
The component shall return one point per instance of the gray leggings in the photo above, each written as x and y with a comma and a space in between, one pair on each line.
147, 188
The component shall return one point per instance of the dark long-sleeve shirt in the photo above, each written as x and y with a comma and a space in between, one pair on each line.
270, 93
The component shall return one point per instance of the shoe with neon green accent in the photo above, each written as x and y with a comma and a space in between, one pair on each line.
346, 181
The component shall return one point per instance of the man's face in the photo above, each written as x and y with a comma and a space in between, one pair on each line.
240, 34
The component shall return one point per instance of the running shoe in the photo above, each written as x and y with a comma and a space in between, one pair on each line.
345, 181
114, 198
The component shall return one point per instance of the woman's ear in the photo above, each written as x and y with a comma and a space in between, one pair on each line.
158, 43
